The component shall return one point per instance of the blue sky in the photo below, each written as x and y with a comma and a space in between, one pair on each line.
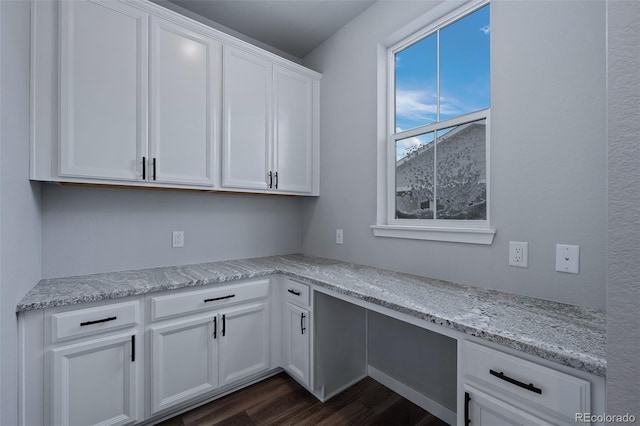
464, 75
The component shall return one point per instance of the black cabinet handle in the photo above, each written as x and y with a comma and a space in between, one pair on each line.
302, 329
224, 325
270, 180
276, 180
154, 169
144, 168
528, 387
219, 298
467, 399
82, 324
133, 348
297, 293
215, 327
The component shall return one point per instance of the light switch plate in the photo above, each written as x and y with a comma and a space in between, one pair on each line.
567, 258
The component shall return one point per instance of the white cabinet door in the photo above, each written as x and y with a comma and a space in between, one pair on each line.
96, 382
103, 89
185, 69
296, 344
244, 341
183, 360
246, 120
486, 410
293, 120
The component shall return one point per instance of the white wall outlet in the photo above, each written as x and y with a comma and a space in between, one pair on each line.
567, 258
518, 254
177, 239
339, 235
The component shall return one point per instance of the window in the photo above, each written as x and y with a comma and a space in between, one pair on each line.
436, 139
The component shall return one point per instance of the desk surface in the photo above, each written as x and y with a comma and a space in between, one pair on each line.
570, 335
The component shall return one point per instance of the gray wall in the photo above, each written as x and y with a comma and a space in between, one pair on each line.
19, 199
548, 152
623, 233
91, 230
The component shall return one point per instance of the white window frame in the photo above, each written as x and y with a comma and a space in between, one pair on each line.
461, 231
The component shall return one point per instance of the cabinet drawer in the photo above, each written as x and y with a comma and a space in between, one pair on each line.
296, 292
85, 322
194, 301
543, 387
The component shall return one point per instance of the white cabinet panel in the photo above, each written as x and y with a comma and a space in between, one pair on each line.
244, 341
297, 342
103, 93
485, 410
184, 71
95, 383
183, 360
246, 120
293, 107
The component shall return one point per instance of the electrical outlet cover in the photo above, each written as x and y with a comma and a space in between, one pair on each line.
518, 254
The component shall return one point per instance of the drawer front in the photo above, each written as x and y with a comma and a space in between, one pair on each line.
100, 319
193, 301
546, 388
296, 293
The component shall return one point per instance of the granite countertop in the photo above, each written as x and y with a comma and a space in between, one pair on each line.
569, 335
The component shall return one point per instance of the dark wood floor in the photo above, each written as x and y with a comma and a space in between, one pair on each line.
279, 400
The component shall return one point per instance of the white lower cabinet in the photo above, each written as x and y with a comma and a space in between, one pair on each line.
203, 340
96, 382
184, 359
93, 365
244, 341
503, 389
295, 333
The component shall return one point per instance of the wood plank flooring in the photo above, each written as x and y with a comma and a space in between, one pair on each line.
279, 400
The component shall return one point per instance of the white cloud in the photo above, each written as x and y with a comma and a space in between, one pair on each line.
486, 29
415, 104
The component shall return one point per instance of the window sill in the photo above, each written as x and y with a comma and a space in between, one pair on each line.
436, 233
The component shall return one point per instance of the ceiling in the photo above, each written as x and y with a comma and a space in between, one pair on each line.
293, 26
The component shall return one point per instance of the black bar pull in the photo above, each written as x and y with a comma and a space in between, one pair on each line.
302, 329
82, 324
276, 180
215, 327
528, 387
154, 169
270, 180
219, 298
144, 168
133, 348
297, 293
467, 399
224, 325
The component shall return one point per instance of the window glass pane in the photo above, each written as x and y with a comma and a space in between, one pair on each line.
415, 97
464, 65
461, 183
414, 177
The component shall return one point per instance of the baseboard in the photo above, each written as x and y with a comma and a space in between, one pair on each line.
435, 408
325, 398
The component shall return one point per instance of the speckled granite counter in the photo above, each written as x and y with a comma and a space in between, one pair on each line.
569, 335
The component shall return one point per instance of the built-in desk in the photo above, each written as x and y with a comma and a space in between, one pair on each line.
412, 314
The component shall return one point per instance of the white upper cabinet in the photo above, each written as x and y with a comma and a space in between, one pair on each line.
103, 90
246, 120
293, 131
184, 72
126, 92
269, 120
